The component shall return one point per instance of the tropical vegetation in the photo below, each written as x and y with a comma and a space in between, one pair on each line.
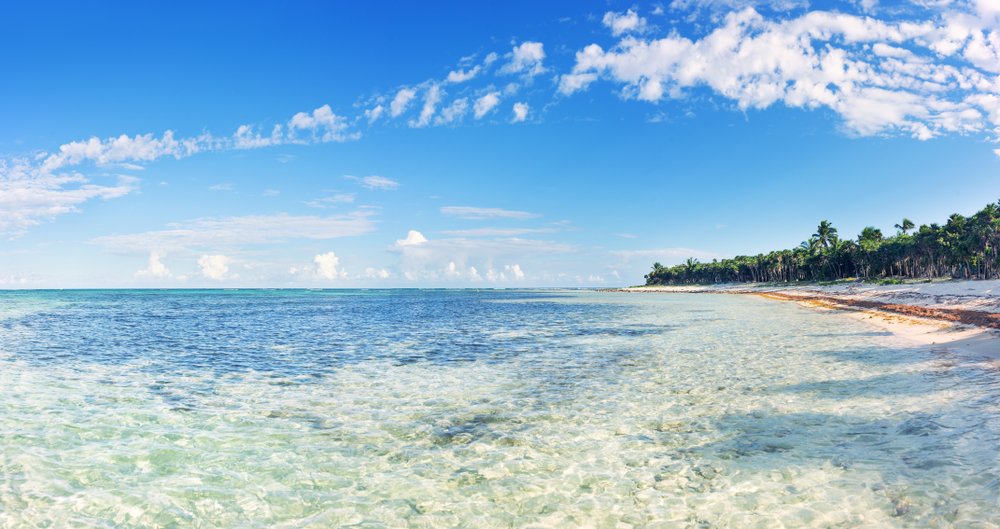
964, 247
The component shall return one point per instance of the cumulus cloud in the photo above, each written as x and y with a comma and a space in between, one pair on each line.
520, 112
470, 260
327, 266
526, 58
474, 213
880, 77
321, 125
373, 114
36, 189
461, 76
925, 70
155, 268
453, 112
431, 99
413, 238
377, 273
125, 149
401, 101
514, 271
627, 22
215, 267
485, 104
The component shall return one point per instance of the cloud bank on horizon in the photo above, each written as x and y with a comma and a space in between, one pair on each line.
921, 69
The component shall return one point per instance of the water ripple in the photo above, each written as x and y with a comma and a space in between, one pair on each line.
480, 409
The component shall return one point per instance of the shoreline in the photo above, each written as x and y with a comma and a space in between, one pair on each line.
953, 316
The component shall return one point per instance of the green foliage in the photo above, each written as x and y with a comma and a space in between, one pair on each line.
965, 247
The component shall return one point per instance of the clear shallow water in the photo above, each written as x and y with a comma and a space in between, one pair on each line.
480, 409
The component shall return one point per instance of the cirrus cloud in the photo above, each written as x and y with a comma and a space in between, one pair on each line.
475, 213
234, 232
379, 183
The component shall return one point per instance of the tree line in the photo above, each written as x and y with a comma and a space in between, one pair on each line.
964, 247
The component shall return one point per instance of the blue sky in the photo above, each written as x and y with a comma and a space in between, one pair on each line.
497, 144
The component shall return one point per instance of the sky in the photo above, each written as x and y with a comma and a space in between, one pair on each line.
476, 144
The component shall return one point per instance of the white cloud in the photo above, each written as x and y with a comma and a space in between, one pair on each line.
514, 271
713, 10
155, 268
401, 101
28, 198
41, 188
461, 76
474, 213
12, 280
931, 74
215, 267
413, 238
497, 232
221, 187
246, 137
485, 104
431, 99
453, 112
236, 231
526, 59
123, 149
470, 260
880, 77
322, 125
379, 183
627, 22
373, 114
377, 273
340, 198
327, 266
520, 112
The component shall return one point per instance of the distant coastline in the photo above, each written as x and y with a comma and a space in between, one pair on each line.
962, 248
955, 315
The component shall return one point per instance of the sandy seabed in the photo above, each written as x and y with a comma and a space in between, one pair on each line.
954, 315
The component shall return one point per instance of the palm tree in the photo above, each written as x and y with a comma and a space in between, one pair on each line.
826, 234
691, 265
966, 247
869, 238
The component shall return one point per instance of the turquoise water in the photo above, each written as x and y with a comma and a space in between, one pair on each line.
480, 409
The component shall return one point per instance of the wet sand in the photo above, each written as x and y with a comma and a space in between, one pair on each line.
957, 316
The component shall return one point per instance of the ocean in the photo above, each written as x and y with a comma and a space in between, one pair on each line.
469, 408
